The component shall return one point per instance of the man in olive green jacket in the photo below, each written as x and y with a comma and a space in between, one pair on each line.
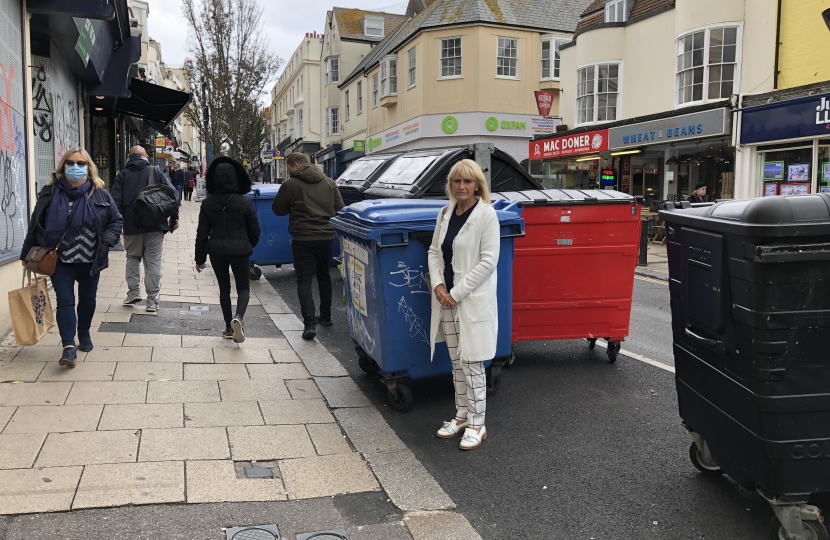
310, 199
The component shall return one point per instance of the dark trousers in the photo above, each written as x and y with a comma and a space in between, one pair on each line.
312, 258
179, 190
63, 281
188, 193
222, 266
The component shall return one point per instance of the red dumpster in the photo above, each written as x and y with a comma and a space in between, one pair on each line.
573, 273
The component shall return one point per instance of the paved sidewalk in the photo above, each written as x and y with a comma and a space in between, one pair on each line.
658, 263
164, 411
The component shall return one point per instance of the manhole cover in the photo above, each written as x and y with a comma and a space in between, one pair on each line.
258, 472
336, 534
257, 532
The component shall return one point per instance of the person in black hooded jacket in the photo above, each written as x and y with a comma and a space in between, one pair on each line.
228, 231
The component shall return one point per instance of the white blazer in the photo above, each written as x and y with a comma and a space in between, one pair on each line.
474, 260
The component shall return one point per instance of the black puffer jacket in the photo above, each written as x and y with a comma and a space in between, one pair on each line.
228, 225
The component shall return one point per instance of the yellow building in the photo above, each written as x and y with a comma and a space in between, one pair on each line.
804, 42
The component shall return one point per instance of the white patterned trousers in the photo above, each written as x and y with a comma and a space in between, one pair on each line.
469, 378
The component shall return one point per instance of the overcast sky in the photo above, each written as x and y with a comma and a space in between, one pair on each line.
286, 22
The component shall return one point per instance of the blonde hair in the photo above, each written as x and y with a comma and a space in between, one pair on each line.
59, 171
468, 169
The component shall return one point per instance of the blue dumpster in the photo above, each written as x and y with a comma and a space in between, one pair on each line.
388, 296
274, 246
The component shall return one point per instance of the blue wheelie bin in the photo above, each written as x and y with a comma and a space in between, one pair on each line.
388, 297
274, 248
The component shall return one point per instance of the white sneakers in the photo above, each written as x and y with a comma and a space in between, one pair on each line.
451, 429
471, 440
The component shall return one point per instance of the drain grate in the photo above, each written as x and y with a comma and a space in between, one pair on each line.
258, 472
336, 534
257, 532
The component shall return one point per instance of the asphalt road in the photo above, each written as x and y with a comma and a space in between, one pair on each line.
577, 448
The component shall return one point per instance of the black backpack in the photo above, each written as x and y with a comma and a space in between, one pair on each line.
155, 204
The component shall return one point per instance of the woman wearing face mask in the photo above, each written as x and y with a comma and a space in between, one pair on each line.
78, 216
462, 268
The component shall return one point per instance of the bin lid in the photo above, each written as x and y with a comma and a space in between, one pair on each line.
563, 196
264, 191
372, 218
781, 215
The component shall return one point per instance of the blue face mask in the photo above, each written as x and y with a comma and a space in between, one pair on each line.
75, 173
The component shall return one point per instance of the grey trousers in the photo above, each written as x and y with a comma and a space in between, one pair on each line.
146, 247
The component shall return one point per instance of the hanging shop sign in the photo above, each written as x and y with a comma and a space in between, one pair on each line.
711, 123
570, 145
267, 156
792, 119
544, 101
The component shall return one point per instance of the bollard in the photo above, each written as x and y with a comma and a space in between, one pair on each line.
643, 244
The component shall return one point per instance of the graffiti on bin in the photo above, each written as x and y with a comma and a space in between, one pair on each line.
410, 278
416, 324
359, 330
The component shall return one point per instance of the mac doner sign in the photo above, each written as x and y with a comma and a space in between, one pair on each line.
569, 145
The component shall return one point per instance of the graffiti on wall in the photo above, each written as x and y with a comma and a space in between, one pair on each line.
67, 133
42, 118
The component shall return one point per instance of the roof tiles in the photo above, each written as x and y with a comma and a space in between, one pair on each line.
349, 22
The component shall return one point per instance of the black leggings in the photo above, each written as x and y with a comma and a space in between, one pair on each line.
241, 273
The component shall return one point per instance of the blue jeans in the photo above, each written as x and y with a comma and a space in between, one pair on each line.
63, 281
179, 192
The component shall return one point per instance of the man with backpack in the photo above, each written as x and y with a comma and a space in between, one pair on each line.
147, 201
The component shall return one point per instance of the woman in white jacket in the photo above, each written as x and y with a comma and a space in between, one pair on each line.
462, 268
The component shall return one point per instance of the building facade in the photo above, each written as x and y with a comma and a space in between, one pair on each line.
649, 88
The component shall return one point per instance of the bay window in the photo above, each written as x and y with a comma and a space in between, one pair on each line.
707, 65
597, 93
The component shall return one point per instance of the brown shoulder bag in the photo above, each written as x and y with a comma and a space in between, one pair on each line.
43, 261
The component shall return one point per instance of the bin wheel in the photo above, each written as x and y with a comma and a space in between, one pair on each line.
404, 401
613, 350
493, 382
368, 365
813, 530
508, 362
700, 464
592, 342
256, 272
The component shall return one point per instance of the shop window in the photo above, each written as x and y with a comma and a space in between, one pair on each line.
597, 93
507, 58
824, 166
787, 172
707, 65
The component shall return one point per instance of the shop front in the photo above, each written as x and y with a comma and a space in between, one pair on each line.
787, 147
659, 157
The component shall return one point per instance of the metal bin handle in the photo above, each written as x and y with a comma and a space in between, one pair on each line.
706, 341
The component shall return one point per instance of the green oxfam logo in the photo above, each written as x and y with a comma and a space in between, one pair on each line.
492, 123
359, 146
374, 142
449, 125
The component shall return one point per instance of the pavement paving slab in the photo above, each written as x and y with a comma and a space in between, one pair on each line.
285, 356
242, 356
131, 484
149, 371
88, 448
120, 354
317, 359
278, 371
83, 371
101, 393
381, 531
184, 444
216, 481
325, 476
225, 413
328, 439
308, 411
19, 450
216, 372
342, 392
407, 482
153, 340
46, 419
142, 416
43, 354
440, 526
368, 431
253, 390
20, 371
303, 389
7, 354
107, 339
187, 356
266, 443
287, 321
182, 391
33, 394
5, 415
27, 491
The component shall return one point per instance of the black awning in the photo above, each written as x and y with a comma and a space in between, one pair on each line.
116, 81
164, 130
85, 9
152, 102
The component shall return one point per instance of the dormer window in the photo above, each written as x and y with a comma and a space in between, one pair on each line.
373, 27
389, 76
617, 10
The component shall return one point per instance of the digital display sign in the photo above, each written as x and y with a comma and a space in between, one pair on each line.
608, 177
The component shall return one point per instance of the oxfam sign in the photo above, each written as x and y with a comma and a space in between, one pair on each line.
374, 142
493, 124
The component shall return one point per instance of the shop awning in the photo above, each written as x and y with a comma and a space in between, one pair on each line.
88, 9
115, 82
158, 104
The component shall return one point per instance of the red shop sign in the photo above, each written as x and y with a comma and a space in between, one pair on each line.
544, 101
577, 144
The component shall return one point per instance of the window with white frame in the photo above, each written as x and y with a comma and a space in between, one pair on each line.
348, 111
597, 92
412, 60
507, 58
375, 90
550, 57
291, 127
359, 97
450, 57
333, 121
373, 27
617, 10
707, 65
299, 123
332, 70
389, 76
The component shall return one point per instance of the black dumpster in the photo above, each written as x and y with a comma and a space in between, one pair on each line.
361, 174
422, 174
750, 301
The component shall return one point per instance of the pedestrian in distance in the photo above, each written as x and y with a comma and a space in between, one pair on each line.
189, 183
143, 242
699, 195
178, 180
228, 232
76, 215
310, 199
462, 267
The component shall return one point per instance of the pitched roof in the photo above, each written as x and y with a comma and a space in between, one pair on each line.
595, 13
596, 5
644, 7
348, 22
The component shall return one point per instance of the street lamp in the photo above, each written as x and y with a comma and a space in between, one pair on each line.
826, 15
